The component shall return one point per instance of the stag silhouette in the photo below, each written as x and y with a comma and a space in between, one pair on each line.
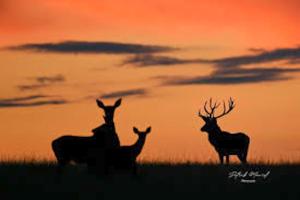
76, 148
225, 143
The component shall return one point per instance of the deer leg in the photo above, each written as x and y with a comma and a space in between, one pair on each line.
135, 174
96, 161
59, 170
221, 158
245, 155
134, 169
240, 156
91, 164
244, 159
227, 159
102, 163
245, 151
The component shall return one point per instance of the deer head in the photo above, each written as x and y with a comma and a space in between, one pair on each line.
142, 133
210, 119
109, 111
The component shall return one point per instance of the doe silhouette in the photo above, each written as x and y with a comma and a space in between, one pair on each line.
78, 148
110, 138
125, 157
225, 143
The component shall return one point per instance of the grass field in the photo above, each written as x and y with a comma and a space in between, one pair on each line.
36, 180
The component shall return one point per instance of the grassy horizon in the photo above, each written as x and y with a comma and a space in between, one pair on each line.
155, 181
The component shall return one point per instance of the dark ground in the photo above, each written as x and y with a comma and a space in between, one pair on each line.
37, 180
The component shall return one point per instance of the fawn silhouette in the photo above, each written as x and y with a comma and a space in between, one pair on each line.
225, 143
77, 148
125, 157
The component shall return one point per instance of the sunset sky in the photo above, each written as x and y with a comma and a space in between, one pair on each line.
165, 59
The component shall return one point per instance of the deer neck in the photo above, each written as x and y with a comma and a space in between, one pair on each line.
108, 120
216, 130
109, 124
138, 145
214, 134
106, 135
104, 127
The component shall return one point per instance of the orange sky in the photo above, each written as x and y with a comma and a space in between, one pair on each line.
268, 111
265, 22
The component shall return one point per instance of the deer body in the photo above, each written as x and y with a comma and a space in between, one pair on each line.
76, 148
125, 157
225, 143
72, 148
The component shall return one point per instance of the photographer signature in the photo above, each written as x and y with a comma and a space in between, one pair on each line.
248, 176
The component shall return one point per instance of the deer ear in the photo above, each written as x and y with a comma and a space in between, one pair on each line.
100, 103
148, 129
118, 103
135, 130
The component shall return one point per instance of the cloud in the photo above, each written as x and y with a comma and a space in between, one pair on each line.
31, 87
264, 57
235, 76
29, 101
261, 56
92, 47
50, 79
146, 60
16, 99
229, 70
261, 70
257, 50
124, 93
42, 81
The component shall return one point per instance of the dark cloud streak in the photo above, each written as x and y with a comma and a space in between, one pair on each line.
42, 81
31, 87
50, 79
235, 76
147, 60
30, 101
124, 93
257, 50
229, 70
264, 57
290, 54
92, 47
17, 99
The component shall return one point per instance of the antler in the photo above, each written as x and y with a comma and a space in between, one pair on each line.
212, 107
230, 108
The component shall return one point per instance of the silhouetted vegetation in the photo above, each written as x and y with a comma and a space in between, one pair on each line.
36, 180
